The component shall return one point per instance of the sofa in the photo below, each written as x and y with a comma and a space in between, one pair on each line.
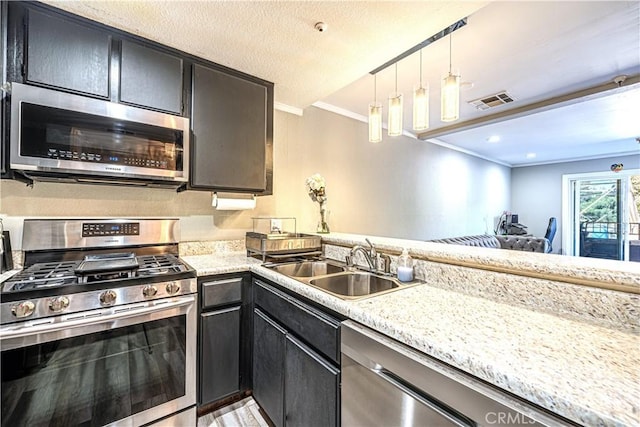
511, 242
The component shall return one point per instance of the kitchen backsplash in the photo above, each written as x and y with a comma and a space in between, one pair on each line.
211, 247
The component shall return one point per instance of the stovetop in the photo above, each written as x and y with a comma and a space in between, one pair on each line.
51, 275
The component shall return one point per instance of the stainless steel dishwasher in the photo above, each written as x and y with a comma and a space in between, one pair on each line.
385, 383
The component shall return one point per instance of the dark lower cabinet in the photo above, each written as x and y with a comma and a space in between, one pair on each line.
311, 387
296, 380
268, 366
220, 347
224, 350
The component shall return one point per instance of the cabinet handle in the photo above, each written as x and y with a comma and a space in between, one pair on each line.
214, 313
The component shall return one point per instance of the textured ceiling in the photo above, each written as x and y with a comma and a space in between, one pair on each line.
276, 40
535, 50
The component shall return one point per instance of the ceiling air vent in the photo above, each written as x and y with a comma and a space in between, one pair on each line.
491, 101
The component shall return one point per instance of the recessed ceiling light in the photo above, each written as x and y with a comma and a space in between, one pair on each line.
466, 85
531, 155
493, 138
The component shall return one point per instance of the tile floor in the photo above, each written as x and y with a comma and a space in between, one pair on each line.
244, 413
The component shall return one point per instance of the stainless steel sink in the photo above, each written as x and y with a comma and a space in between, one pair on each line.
350, 285
308, 268
340, 281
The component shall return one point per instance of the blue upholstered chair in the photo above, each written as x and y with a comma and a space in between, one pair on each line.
551, 231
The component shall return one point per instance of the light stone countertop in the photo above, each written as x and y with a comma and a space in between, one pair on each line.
586, 373
617, 275
220, 263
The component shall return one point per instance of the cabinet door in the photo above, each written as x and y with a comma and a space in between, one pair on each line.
316, 328
311, 387
150, 78
219, 354
67, 55
229, 122
268, 366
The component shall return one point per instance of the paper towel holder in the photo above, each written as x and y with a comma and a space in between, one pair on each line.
233, 203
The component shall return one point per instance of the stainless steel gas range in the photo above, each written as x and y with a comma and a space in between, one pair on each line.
100, 326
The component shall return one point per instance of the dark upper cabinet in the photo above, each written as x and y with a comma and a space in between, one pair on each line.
229, 117
231, 113
150, 78
62, 53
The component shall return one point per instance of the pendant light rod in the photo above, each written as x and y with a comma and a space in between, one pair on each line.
396, 89
374, 87
450, 53
442, 33
420, 67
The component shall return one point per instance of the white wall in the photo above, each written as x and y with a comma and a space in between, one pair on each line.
536, 191
401, 188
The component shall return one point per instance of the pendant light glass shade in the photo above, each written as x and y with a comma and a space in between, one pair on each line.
421, 107
395, 111
421, 103
395, 114
375, 117
450, 94
375, 122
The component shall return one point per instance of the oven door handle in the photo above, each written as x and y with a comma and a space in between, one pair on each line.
122, 313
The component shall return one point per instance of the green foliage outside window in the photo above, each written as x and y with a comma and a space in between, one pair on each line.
599, 199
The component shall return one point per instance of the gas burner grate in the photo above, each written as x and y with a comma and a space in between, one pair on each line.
55, 274
44, 275
151, 265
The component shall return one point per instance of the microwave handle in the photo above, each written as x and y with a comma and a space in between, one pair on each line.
79, 320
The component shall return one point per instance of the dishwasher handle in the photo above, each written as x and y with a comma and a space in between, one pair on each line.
428, 401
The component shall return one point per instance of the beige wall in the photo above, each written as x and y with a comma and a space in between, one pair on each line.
198, 219
401, 188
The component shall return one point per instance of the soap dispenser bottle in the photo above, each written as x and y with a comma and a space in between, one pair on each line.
405, 267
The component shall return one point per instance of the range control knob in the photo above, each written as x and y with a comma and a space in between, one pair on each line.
108, 297
58, 304
149, 291
173, 287
23, 309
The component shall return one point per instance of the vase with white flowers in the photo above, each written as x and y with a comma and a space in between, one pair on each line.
316, 187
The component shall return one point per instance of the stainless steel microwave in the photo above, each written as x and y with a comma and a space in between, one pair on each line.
61, 136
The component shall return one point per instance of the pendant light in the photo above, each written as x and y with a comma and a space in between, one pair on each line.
395, 110
421, 104
375, 117
450, 94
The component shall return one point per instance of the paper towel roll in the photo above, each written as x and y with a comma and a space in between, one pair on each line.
227, 204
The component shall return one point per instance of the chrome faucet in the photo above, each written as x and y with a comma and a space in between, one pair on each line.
370, 255
386, 263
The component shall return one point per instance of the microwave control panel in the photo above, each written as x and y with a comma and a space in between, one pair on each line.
55, 153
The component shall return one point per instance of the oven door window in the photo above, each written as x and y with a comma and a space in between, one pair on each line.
95, 379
